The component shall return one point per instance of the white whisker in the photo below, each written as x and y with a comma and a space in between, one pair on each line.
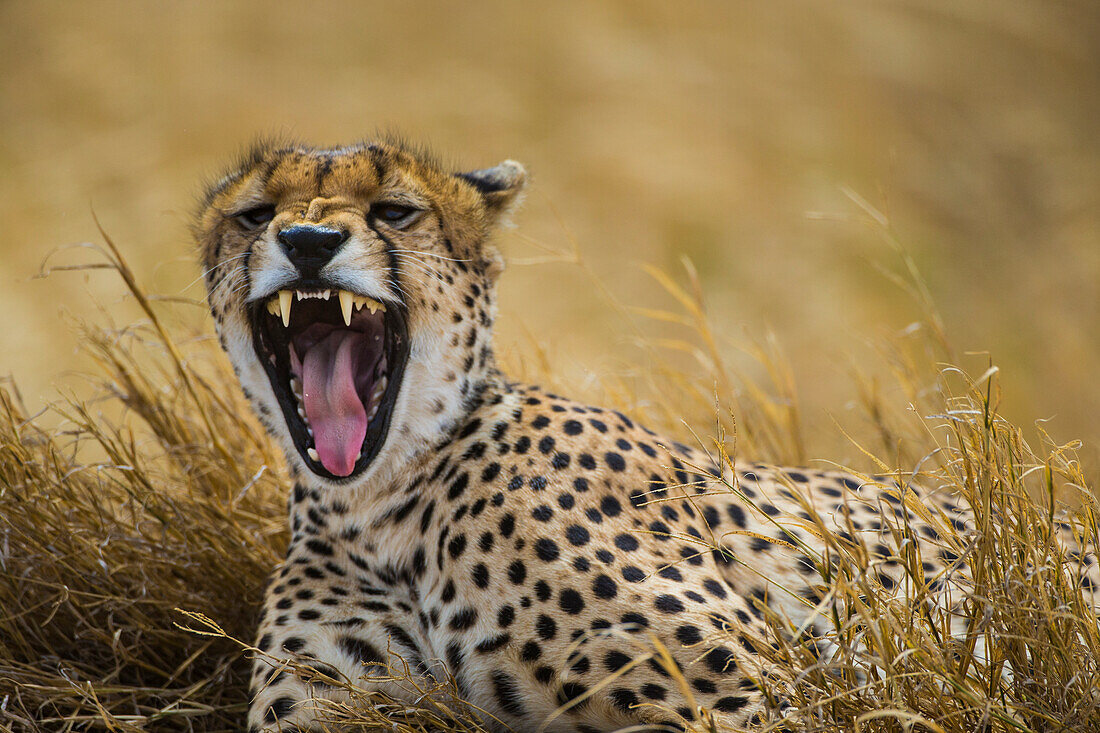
430, 254
208, 271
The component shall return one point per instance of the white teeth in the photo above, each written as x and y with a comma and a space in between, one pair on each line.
301, 412
349, 303
285, 299
361, 300
312, 453
296, 387
346, 301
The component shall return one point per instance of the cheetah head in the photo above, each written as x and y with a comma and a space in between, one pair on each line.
353, 291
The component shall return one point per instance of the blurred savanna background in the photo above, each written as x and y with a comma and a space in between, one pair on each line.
859, 193
752, 138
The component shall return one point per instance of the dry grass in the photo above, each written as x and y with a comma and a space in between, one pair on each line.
136, 538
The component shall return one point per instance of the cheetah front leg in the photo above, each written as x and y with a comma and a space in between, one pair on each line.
316, 644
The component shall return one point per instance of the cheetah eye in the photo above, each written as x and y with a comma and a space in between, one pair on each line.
255, 218
397, 216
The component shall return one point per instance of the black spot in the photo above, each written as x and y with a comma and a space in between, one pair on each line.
633, 574
611, 506
542, 513
714, 587
458, 486
546, 444
546, 627
654, 692
537, 483
361, 651
688, 635
660, 530
671, 573
587, 461
493, 643
721, 660
577, 535
561, 461
463, 619
505, 616
293, 644
623, 699
470, 428
540, 422
566, 501
625, 542
508, 694
485, 544
669, 604
491, 472
278, 709
614, 461
580, 484
456, 546
480, 575
615, 660
544, 674
730, 704
507, 525
571, 691
546, 549
604, 587
571, 601
572, 427
530, 652
517, 572
320, 548
542, 591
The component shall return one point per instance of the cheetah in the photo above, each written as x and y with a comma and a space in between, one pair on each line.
452, 522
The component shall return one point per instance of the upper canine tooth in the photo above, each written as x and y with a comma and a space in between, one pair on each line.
346, 300
285, 299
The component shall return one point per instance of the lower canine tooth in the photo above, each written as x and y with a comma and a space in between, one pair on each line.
312, 453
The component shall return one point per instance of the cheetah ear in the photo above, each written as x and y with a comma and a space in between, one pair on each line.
500, 186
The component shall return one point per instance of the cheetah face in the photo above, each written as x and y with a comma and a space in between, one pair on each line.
335, 278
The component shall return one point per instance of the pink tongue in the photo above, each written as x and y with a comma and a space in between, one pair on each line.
333, 407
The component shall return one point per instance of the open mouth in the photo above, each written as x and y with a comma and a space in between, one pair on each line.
335, 361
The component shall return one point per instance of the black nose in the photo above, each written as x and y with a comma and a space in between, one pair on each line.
311, 247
